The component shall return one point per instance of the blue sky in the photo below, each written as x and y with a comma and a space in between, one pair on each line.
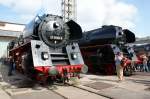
7, 14
133, 14
143, 22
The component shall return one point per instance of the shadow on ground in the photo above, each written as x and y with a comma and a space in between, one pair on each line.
18, 81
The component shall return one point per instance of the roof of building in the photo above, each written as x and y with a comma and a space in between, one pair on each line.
5, 22
8, 33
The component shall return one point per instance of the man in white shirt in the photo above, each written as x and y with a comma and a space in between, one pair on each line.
119, 68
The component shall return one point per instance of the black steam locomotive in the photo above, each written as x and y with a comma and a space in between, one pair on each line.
99, 47
48, 49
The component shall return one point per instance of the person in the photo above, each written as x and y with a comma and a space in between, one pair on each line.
145, 67
119, 68
10, 66
140, 62
148, 62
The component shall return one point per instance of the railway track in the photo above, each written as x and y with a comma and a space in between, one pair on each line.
20, 87
54, 91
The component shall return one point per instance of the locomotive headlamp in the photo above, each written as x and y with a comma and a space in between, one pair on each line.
52, 25
45, 55
74, 56
53, 71
55, 25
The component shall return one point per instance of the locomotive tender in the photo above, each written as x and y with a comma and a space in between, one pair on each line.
48, 49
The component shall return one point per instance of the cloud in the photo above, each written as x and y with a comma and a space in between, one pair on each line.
95, 13
27, 9
23, 6
52, 6
91, 14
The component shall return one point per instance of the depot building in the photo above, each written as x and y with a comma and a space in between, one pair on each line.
8, 32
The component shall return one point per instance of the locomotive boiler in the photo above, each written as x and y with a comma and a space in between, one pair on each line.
48, 49
107, 35
99, 47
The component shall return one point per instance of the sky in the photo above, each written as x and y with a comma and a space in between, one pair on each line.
91, 14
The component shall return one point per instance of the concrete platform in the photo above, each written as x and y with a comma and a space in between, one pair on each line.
38, 95
76, 93
19, 86
99, 85
134, 87
4, 95
122, 93
89, 87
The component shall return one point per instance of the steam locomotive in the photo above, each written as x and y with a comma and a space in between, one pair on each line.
99, 47
48, 49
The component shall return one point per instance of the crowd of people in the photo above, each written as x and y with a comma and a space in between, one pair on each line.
142, 64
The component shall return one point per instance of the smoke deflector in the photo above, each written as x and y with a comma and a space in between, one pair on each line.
75, 30
130, 36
